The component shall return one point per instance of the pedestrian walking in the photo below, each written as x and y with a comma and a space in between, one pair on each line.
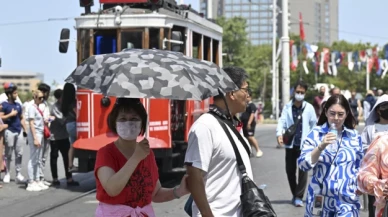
214, 179
35, 142
249, 124
69, 111
333, 150
300, 115
126, 172
12, 115
59, 142
376, 125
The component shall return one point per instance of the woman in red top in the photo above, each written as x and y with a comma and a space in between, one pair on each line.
126, 171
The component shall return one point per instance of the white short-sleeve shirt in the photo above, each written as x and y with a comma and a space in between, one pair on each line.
210, 150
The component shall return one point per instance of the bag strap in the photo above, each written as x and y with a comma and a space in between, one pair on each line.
240, 163
299, 116
233, 128
41, 113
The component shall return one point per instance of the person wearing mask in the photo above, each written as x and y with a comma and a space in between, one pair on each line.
59, 142
335, 161
213, 177
249, 124
35, 140
356, 107
318, 100
369, 102
126, 172
296, 109
376, 125
69, 111
12, 115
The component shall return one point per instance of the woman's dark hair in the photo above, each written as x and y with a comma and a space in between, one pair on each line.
127, 105
350, 121
58, 94
68, 99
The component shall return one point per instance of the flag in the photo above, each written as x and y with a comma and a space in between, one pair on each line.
301, 28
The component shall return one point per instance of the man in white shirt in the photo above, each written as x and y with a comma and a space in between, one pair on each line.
214, 179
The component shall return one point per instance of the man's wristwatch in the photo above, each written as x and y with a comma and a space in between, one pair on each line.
320, 147
175, 194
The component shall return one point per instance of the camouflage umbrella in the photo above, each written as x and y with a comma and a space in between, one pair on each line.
150, 73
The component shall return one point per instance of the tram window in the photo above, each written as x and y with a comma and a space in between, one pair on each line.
154, 38
206, 49
105, 41
196, 46
132, 39
215, 52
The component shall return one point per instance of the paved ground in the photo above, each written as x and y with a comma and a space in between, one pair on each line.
269, 170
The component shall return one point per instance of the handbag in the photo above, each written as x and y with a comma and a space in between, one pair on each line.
289, 134
46, 130
253, 199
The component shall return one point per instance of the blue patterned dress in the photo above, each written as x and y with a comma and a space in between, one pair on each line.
340, 184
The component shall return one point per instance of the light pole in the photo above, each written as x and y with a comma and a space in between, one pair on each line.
285, 55
275, 72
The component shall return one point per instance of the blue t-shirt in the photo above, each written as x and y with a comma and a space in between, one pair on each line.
14, 124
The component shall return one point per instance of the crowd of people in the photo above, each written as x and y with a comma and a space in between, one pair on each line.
344, 163
320, 137
44, 127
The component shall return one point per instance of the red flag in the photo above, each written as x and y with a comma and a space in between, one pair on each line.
301, 28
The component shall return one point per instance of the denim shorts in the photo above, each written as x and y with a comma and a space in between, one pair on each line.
71, 128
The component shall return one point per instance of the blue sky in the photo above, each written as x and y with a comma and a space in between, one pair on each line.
34, 46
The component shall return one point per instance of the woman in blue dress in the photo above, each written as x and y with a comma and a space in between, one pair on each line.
335, 160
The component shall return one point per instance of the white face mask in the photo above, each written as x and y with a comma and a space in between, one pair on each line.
299, 97
128, 130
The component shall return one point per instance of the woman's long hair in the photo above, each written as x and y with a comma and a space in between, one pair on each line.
68, 98
350, 121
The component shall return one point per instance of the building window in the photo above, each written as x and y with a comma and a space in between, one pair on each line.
255, 7
254, 21
228, 7
245, 14
245, 8
255, 42
254, 28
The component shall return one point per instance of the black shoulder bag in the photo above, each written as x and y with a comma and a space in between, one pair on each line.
253, 200
289, 134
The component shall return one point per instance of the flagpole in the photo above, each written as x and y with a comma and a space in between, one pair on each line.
275, 83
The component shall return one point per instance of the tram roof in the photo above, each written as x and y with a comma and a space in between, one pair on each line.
139, 17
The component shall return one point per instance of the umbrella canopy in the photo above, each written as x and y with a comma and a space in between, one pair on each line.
151, 73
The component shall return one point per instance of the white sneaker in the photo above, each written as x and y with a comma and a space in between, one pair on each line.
33, 186
46, 182
7, 178
19, 178
42, 186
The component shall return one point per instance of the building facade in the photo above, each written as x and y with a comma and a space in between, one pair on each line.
320, 18
25, 81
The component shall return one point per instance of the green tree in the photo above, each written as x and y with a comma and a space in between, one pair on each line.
234, 40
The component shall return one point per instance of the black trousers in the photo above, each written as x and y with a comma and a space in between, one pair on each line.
371, 208
297, 188
62, 146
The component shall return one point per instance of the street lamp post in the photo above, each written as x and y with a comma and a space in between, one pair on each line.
285, 55
275, 76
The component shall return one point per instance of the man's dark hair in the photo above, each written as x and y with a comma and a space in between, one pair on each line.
10, 90
238, 76
44, 87
58, 94
302, 84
